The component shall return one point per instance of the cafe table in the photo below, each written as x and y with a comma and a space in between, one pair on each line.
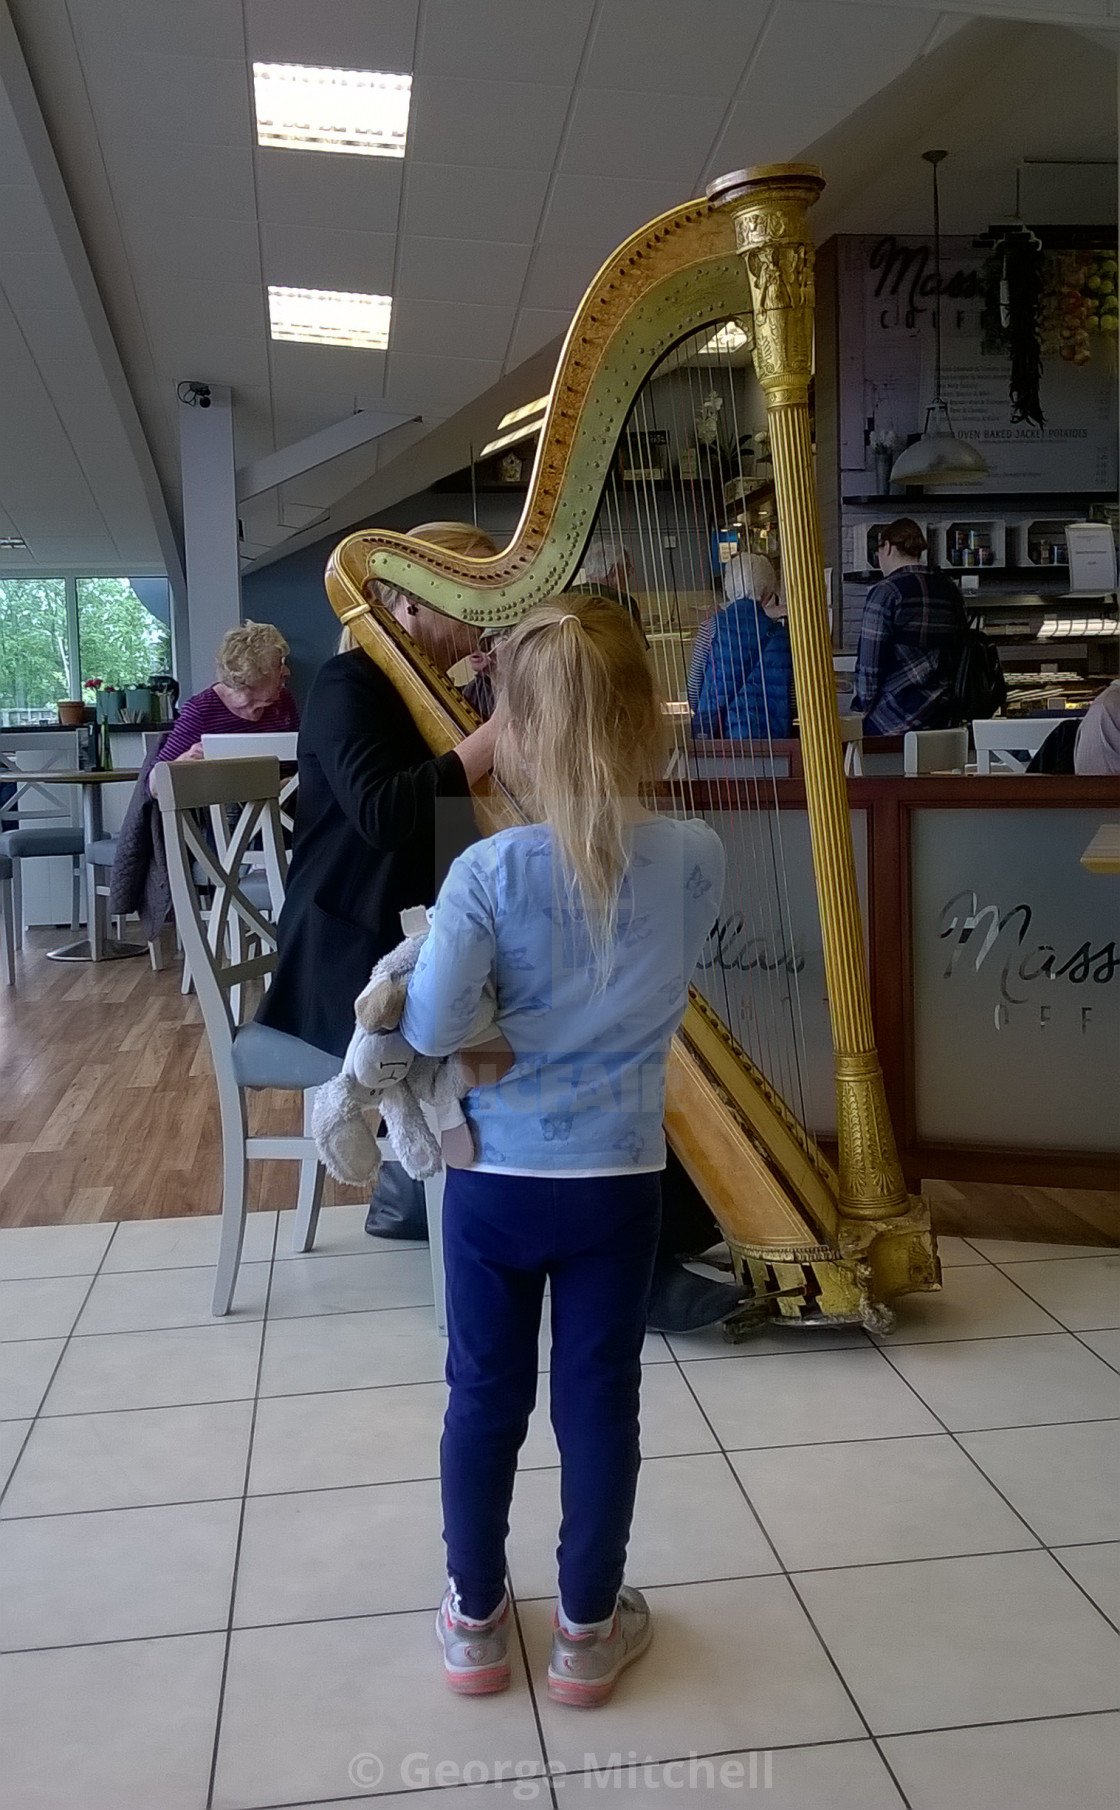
104, 948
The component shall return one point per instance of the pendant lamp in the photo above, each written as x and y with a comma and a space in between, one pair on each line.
938, 457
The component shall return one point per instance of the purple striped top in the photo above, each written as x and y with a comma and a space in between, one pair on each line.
205, 714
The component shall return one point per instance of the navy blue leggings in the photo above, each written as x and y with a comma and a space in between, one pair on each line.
594, 1240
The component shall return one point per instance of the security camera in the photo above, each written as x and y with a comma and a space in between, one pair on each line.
195, 395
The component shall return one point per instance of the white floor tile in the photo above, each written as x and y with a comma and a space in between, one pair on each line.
341, 1232
1105, 1344
732, 1665
848, 1776
364, 1551
132, 1460
1064, 1481
777, 1341
976, 1383
303, 1704
955, 1252
664, 1548
41, 1309
153, 1244
12, 1435
671, 1422
110, 1727
876, 1500
1097, 1570
973, 1303
155, 1300
1081, 1292
795, 1400
970, 1640
52, 1250
1014, 1250
157, 1369
386, 1435
73, 1579
351, 1284
26, 1366
1073, 1763
352, 1351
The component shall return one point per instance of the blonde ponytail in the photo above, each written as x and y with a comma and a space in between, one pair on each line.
580, 728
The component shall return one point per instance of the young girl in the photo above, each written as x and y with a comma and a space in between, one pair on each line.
589, 922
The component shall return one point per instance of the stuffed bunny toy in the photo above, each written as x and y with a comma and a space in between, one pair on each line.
381, 1071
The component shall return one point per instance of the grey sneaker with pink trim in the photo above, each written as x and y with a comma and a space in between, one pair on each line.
585, 1668
475, 1654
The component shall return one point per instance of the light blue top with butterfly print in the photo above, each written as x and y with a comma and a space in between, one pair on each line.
586, 1093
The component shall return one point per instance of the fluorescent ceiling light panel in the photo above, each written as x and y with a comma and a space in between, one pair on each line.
729, 338
358, 111
11, 543
330, 317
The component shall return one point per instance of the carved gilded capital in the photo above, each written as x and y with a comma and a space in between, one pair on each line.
769, 208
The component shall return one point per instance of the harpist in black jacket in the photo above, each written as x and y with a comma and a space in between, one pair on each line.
378, 821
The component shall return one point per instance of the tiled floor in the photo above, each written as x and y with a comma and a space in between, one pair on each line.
884, 1571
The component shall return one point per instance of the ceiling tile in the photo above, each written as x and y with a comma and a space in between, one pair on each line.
461, 329
34, 279
187, 350
197, 100
204, 28
322, 257
330, 379
535, 328
559, 278
438, 383
529, 40
221, 310
169, 248
91, 548
466, 270
660, 46
489, 123
346, 34
652, 136
599, 212
306, 188
172, 178
842, 58
446, 201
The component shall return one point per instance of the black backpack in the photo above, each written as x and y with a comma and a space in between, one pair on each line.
978, 687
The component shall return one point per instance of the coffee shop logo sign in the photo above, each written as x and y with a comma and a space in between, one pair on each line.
907, 279
978, 931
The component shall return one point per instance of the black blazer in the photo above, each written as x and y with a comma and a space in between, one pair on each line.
378, 821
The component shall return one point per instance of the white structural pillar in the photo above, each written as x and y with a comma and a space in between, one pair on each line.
209, 529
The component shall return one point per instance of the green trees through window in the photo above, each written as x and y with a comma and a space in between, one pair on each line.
49, 627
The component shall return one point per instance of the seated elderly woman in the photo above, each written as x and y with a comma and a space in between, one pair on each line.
740, 681
249, 693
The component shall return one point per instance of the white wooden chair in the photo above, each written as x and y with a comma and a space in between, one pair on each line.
1010, 741
247, 1056
41, 817
934, 751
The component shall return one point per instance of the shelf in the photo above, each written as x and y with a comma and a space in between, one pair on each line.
988, 499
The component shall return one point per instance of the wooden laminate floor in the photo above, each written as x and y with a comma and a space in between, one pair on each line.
108, 1111
107, 1101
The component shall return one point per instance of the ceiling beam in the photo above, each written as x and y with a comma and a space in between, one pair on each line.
329, 443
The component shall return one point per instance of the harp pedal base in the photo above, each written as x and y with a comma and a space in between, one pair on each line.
849, 1285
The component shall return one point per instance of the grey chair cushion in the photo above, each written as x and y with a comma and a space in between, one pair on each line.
44, 841
263, 1057
255, 887
103, 852
5, 868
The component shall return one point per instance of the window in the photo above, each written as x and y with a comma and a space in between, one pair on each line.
55, 633
123, 629
36, 650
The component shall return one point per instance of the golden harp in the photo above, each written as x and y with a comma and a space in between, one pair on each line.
822, 1243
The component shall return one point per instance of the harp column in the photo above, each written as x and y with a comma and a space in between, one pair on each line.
769, 206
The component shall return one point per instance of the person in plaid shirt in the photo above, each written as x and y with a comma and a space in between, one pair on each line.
910, 640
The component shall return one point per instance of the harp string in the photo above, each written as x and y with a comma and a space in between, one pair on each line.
765, 1012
